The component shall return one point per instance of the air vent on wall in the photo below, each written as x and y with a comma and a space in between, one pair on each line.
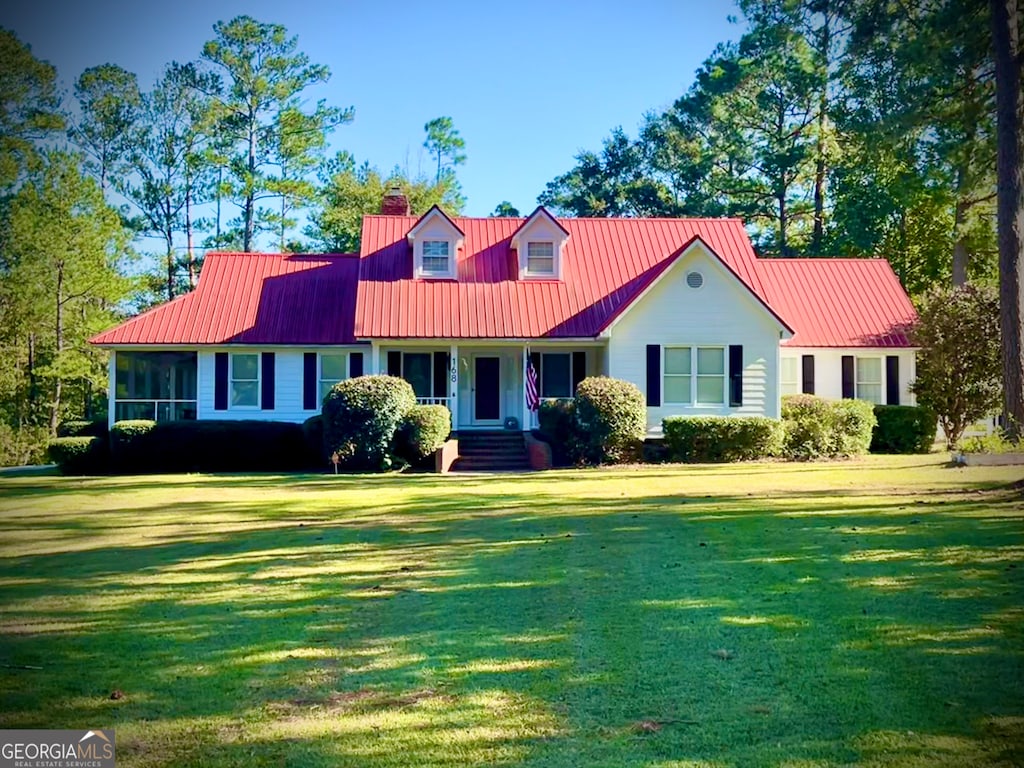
694, 279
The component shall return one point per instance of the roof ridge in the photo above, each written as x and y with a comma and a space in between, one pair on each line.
269, 254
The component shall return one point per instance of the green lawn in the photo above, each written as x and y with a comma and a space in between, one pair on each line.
867, 613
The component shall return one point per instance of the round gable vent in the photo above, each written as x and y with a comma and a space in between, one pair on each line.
694, 279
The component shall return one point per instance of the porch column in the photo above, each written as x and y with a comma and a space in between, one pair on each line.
453, 384
374, 367
527, 420
111, 387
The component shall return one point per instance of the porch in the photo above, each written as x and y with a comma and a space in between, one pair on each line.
483, 385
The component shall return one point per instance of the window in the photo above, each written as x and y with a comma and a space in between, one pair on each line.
417, 369
435, 257
869, 379
694, 375
790, 376
155, 385
245, 381
540, 258
333, 368
556, 375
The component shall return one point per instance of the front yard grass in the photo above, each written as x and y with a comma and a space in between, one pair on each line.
865, 613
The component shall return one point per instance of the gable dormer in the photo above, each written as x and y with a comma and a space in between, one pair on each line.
435, 241
540, 245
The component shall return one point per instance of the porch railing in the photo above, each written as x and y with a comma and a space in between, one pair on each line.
155, 410
445, 401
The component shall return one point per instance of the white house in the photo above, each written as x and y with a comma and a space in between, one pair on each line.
458, 306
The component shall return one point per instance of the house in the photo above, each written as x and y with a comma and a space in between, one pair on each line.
460, 306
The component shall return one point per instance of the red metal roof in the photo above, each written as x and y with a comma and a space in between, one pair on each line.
250, 298
608, 262
339, 299
839, 302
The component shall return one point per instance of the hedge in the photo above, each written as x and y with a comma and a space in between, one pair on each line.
361, 416
722, 438
557, 421
903, 429
611, 420
422, 431
208, 446
80, 455
313, 435
818, 428
96, 428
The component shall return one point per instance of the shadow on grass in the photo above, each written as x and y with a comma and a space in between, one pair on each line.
471, 625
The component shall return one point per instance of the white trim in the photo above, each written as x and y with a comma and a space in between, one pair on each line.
112, 387
682, 257
320, 370
435, 227
232, 380
694, 375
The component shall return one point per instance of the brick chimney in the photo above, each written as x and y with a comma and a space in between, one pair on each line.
395, 203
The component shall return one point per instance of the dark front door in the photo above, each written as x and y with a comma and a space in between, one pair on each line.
487, 389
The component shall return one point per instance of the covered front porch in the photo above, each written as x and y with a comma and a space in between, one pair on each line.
483, 384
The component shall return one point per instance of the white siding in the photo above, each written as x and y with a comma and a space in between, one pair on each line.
719, 313
828, 369
287, 383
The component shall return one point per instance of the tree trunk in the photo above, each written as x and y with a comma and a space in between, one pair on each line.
250, 193
960, 255
220, 180
821, 166
169, 240
783, 224
59, 345
1010, 206
189, 253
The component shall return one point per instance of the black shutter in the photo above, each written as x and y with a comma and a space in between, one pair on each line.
808, 375
892, 380
535, 360
395, 364
442, 362
654, 374
355, 364
735, 375
848, 367
579, 369
267, 381
310, 385
220, 382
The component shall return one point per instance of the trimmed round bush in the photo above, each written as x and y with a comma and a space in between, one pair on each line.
130, 450
422, 431
611, 420
79, 455
80, 428
557, 420
361, 416
852, 424
313, 434
722, 438
819, 428
903, 429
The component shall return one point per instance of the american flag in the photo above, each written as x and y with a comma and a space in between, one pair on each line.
532, 400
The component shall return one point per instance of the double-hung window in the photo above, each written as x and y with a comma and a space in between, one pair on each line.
694, 375
540, 258
245, 380
556, 375
790, 378
333, 368
436, 257
869, 379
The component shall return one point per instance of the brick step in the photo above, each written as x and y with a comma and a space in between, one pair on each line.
466, 464
467, 450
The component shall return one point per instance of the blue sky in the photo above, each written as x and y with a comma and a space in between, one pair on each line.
527, 84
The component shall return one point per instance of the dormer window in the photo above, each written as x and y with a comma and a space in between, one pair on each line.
540, 245
435, 241
540, 258
436, 255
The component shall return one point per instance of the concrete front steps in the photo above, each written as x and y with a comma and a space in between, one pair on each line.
491, 451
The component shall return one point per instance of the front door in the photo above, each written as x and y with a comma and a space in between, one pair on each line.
486, 389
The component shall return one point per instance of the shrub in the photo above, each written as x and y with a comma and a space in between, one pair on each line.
25, 445
79, 455
96, 428
903, 429
557, 420
422, 431
818, 428
994, 443
361, 416
130, 446
611, 420
313, 434
722, 438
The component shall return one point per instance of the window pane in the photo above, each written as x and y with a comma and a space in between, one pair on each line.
540, 250
325, 387
416, 370
332, 367
870, 392
869, 369
789, 365
541, 266
677, 360
711, 361
556, 381
244, 366
677, 389
435, 248
710, 390
245, 393
435, 263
